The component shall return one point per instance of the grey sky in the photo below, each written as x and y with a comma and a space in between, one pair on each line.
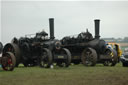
22, 17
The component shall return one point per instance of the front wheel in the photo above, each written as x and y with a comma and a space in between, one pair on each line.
114, 58
8, 61
67, 61
13, 48
46, 58
89, 57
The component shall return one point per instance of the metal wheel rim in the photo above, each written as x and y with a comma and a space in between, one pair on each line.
7, 64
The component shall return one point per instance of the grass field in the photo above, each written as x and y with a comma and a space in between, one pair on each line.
74, 75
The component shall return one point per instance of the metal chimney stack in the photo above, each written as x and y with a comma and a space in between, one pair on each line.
51, 25
97, 28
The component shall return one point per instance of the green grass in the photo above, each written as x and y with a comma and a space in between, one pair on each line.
74, 75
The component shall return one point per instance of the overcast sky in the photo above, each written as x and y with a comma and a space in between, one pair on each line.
27, 17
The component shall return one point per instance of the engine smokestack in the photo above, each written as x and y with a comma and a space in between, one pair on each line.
97, 28
51, 26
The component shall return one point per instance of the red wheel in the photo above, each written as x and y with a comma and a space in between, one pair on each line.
13, 48
8, 61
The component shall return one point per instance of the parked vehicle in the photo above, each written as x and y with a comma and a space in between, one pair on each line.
39, 50
7, 60
88, 50
124, 58
117, 48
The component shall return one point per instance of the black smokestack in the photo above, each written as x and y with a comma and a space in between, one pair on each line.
51, 25
97, 28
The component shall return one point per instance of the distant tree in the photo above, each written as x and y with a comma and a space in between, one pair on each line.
119, 38
126, 39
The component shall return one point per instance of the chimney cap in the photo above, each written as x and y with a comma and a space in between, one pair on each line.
51, 18
97, 19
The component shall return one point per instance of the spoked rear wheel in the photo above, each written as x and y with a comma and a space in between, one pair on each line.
89, 57
8, 61
46, 58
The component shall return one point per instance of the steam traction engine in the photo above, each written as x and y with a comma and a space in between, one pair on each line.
39, 50
88, 50
7, 60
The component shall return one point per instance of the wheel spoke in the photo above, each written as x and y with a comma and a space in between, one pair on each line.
89, 57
